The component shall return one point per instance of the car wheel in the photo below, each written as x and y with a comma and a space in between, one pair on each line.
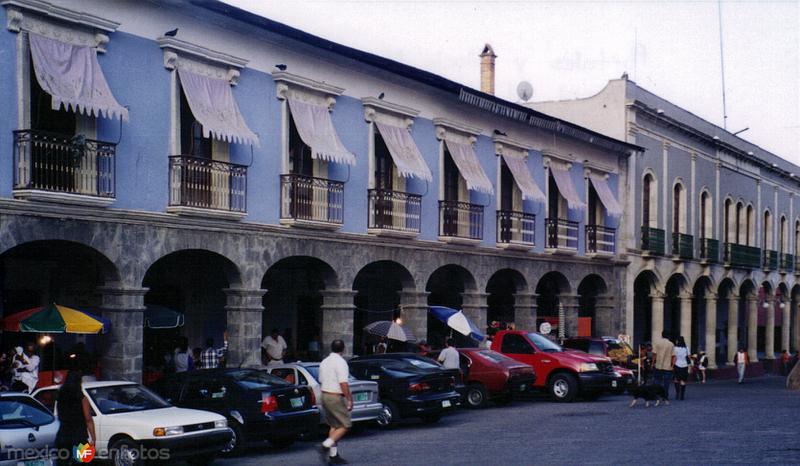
387, 415
282, 442
125, 452
431, 418
563, 387
476, 396
234, 447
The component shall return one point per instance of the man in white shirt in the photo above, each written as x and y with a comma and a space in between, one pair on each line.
337, 401
449, 356
28, 370
274, 348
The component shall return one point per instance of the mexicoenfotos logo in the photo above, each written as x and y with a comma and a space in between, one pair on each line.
83, 453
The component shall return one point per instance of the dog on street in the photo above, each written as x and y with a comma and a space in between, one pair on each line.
648, 393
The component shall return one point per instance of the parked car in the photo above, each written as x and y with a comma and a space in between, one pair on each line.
620, 353
489, 375
367, 406
257, 405
128, 418
410, 386
27, 431
564, 374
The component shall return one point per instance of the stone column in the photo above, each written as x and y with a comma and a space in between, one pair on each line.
475, 307
752, 328
786, 324
123, 348
769, 340
797, 327
711, 330
244, 311
337, 319
525, 311
686, 319
415, 312
605, 322
656, 315
733, 327
570, 303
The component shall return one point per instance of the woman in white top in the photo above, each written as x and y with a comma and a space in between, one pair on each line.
681, 371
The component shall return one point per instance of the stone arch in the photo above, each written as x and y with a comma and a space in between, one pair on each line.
702, 290
502, 289
453, 286
649, 207
552, 291
646, 291
794, 331
593, 304
677, 301
379, 290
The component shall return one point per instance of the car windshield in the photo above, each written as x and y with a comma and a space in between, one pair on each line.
493, 356
22, 412
257, 379
125, 399
543, 343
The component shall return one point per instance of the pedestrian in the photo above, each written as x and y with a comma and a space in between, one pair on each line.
449, 356
75, 417
273, 348
424, 348
211, 357
337, 401
182, 359
681, 370
382, 346
27, 369
196, 352
487, 343
741, 360
663, 362
702, 366
785, 362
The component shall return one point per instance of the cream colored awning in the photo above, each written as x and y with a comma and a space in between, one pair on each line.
467, 162
522, 176
566, 187
404, 152
606, 196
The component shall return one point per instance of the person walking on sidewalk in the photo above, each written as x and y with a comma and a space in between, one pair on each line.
337, 401
702, 366
741, 360
664, 357
682, 362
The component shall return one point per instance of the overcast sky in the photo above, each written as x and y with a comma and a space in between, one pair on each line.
571, 49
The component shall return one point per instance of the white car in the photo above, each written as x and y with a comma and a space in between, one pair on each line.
134, 425
27, 431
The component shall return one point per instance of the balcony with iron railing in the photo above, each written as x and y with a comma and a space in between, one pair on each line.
394, 213
770, 260
207, 188
682, 246
61, 168
739, 255
311, 202
653, 241
562, 236
709, 250
787, 263
515, 230
600, 240
460, 222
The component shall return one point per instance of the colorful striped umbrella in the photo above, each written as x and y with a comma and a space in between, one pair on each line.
55, 318
456, 320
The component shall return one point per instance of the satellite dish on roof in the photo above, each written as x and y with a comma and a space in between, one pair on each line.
525, 90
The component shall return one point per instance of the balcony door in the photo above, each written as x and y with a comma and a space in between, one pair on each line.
451, 194
300, 163
384, 182
196, 180
506, 202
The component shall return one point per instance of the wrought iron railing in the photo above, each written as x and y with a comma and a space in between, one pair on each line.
516, 227
460, 220
770, 259
653, 240
683, 245
394, 210
709, 250
562, 234
739, 255
207, 184
601, 239
787, 262
60, 163
312, 199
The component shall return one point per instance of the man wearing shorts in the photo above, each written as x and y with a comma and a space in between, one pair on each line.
336, 401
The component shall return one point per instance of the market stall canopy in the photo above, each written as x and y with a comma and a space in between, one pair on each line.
404, 152
566, 187
470, 168
316, 129
606, 196
55, 318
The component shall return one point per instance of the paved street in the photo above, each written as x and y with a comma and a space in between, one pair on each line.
720, 422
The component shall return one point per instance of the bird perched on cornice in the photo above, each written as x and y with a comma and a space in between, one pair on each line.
281, 66
499, 133
380, 96
171, 33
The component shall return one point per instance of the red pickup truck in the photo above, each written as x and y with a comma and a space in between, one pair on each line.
564, 374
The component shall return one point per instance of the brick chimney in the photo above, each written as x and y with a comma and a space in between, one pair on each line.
487, 69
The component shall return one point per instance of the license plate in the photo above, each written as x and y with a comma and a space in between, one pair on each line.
363, 396
446, 403
296, 402
613, 384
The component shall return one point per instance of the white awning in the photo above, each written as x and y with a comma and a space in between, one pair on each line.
72, 76
522, 176
566, 187
467, 162
606, 196
404, 152
316, 130
212, 103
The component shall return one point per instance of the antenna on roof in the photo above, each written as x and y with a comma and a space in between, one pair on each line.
524, 90
722, 69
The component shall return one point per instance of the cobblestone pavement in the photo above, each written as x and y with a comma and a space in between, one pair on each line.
721, 422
